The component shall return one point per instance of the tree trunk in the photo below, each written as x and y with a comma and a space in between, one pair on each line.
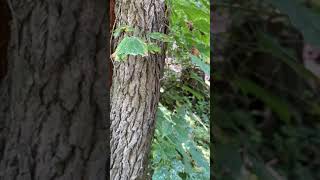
52, 106
135, 92
4, 37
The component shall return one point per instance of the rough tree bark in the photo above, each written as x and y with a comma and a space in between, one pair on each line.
52, 101
4, 36
135, 92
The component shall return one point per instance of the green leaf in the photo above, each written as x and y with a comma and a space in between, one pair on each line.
174, 175
166, 128
202, 25
194, 93
178, 166
164, 113
169, 150
153, 48
130, 46
201, 64
119, 30
160, 174
186, 159
198, 157
160, 36
192, 11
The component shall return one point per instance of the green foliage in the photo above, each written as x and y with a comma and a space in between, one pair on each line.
189, 27
266, 102
301, 17
180, 149
175, 151
122, 29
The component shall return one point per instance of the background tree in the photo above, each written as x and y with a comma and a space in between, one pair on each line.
52, 106
135, 91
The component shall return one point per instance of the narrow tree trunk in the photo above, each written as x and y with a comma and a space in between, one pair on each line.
53, 98
135, 92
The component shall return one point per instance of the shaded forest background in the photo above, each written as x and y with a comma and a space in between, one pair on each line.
266, 108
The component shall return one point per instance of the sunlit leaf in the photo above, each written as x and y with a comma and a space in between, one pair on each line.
201, 64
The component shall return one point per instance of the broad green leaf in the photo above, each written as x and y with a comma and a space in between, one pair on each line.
201, 64
160, 174
193, 12
166, 128
203, 25
164, 113
182, 134
186, 159
156, 153
169, 150
198, 157
130, 46
178, 165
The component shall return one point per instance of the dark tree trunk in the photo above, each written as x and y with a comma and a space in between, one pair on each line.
4, 37
135, 92
53, 99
